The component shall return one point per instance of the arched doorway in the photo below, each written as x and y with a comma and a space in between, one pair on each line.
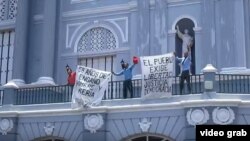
183, 24
148, 137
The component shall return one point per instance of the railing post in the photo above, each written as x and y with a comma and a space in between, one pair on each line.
9, 96
209, 78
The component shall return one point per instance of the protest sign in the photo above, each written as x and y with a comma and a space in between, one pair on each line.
90, 86
157, 73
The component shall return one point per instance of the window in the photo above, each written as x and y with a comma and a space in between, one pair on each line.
148, 138
8, 9
6, 55
96, 40
104, 63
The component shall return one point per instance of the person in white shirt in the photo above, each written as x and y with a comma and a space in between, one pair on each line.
185, 64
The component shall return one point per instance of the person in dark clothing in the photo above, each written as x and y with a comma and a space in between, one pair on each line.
127, 83
185, 74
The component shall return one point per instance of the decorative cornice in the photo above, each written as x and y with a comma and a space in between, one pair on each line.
96, 54
80, 1
104, 9
173, 3
7, 24
22, 111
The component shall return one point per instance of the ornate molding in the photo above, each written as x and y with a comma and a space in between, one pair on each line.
80, 1
49, 128
7, 24
6, 125
182, 17
101, 10
123, 31
223, 116
71, 32
197, 116
93, 122
144, 125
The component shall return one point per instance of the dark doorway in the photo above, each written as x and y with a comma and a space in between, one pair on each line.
183, 24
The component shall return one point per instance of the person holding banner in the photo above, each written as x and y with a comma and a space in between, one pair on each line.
127, 72
186, 65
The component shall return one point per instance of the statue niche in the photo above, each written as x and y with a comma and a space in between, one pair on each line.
185, 39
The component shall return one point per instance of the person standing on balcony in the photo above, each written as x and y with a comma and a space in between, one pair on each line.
127, 83
71, 76
186, 65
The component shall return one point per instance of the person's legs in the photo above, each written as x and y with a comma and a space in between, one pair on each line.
125, 89
188, 83
181, 83
130, 88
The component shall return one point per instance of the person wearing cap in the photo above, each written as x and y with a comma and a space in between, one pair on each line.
71, 76
127, 83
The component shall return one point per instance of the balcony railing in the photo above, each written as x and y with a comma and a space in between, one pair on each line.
41, 95
233, 83
115, 89
60, 94
224, 83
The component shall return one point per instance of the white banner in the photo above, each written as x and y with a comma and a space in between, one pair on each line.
157, 74
89, 87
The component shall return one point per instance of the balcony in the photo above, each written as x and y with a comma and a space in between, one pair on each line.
223, 83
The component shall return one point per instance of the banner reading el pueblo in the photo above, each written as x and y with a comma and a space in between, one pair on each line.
157, 73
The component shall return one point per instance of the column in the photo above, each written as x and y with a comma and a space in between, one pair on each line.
240, 34
247, 31
199, 55
20, 45
49, 31
171, 44
143, 27
161, 30
208, 39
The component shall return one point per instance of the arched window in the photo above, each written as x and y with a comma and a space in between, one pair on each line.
49, 139
8, 9
96, 39
148, 137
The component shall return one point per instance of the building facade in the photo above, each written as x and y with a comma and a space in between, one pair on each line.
38, 38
